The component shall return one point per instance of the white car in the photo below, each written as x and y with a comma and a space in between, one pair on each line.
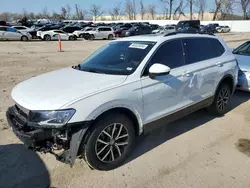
54, 35
101, 32
166, 29
223, 29
128, 87
9, 33
23, 28
80, 34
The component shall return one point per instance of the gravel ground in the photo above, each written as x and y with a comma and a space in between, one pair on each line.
197, 151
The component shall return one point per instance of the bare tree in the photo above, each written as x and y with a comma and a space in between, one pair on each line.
165, 13
218, 4
201, 6
151, 10
134, 9
80, 13
25, 12
142, 9
190, 2
179, 10
245, 7
226, 9
170, 3
45, 13
96, 11
68, 8
63, 13
56, 16
115, 12
129, 9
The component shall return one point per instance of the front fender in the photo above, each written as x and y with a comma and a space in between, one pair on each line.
135, 109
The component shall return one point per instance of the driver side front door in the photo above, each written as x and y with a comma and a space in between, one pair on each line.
166, 94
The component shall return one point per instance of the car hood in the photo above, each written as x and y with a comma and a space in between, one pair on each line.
244, 62
56, 89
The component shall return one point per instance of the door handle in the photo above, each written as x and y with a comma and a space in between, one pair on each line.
219, 64
187, 74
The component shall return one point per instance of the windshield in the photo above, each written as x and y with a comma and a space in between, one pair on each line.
244, 49
119, 58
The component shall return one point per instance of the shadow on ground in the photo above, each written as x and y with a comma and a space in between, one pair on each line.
150, 141
22, 168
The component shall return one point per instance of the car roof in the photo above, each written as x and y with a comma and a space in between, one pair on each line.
104, 27
161, 38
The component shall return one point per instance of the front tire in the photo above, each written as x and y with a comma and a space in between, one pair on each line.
47, 38
24, 38
110, 37
109, 142
91, 37
71, 38
221, 100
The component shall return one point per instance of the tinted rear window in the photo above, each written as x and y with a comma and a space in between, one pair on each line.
201, 49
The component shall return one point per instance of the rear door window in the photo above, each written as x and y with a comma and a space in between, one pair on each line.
201, 49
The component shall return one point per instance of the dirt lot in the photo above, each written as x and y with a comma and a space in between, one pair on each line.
197, 151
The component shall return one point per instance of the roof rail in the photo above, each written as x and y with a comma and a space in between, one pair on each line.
187, 32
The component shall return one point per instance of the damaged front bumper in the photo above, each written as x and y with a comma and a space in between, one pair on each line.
67, 139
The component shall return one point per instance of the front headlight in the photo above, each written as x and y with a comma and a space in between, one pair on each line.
55, 118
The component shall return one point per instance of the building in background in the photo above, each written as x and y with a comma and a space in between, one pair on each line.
207, 16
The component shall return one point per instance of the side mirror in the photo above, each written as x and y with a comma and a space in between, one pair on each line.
158, 70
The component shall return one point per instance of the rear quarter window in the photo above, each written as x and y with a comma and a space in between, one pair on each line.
201, 49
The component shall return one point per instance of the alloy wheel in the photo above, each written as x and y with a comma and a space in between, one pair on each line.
223, 99
111, 142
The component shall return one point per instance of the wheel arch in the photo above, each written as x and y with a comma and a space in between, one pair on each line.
229, 79
131, 114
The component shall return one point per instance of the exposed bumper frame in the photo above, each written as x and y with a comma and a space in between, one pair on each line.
41, 140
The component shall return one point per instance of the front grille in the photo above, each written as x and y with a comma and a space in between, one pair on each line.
19, 117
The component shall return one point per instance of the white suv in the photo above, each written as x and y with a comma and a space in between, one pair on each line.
101, 32
128, 87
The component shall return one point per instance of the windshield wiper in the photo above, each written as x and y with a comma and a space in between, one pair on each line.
91, 70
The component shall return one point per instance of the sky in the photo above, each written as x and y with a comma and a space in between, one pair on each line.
17, 6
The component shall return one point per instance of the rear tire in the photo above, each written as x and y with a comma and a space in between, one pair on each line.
47, 37
221, 100
109, 142
71, 38
110, 37
24, 38
91, 37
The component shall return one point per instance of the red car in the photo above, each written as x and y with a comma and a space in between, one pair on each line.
118, 33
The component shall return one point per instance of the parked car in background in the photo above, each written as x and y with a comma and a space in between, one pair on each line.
166, 29
138, 30
154, 26
71, 29
81, 33
9, 33
242, 54
223, 29
48, 27
101, 32
188, 23
53, 35
121, 31
23, 28
3, 23
128, 87
208, 29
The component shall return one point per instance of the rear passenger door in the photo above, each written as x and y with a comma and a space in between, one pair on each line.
204, 66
